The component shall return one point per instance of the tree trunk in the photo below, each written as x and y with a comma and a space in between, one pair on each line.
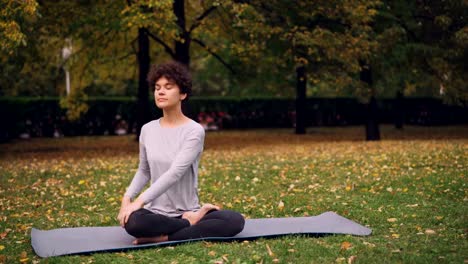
143, 109
399, 110
372, 123
182, 48
301, 99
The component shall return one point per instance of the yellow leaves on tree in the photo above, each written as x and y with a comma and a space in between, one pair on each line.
75, 104
13, 15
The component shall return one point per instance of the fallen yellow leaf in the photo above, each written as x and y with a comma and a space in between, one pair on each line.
430, 232
270, 253
368, 244
351, 259
23, 257
340, 260
280, 205
346, 245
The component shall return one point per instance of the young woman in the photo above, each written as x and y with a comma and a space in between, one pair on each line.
170, 151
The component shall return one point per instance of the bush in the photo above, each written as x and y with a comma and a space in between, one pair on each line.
43, 117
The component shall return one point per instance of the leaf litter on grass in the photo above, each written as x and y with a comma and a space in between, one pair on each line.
392, 186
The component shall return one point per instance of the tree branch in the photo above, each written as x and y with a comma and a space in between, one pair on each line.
126, 56
200, 18
229, 67
431, 70
166, 47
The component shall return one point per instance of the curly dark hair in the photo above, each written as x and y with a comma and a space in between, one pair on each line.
173, 71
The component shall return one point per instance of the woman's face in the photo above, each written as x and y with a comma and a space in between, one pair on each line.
167, 93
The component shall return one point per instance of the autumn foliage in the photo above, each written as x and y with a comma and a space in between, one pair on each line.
409, 188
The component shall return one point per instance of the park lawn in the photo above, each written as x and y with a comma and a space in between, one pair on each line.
410, 188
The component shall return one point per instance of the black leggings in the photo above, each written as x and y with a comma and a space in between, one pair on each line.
223, 223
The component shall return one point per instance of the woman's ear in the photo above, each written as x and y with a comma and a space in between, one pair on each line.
183, 96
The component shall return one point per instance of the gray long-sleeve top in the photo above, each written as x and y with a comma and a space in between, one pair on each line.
169, 159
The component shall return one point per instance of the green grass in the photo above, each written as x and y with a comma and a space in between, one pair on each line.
410, 188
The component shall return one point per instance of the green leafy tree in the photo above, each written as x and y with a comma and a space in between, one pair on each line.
174, 25
324, 41
15, 17
419, 51
422, 49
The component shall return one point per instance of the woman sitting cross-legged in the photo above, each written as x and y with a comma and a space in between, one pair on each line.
170, 151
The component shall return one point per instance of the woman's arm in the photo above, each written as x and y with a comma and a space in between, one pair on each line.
143, 175
191, 149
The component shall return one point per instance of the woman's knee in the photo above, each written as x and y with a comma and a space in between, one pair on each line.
235, 223
133, 226
239, 222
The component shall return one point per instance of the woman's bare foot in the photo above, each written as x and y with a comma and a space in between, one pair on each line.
194, 217
144, 240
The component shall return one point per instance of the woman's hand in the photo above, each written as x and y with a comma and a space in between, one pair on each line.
127, 208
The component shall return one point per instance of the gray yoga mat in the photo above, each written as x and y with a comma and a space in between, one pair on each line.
85, 240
